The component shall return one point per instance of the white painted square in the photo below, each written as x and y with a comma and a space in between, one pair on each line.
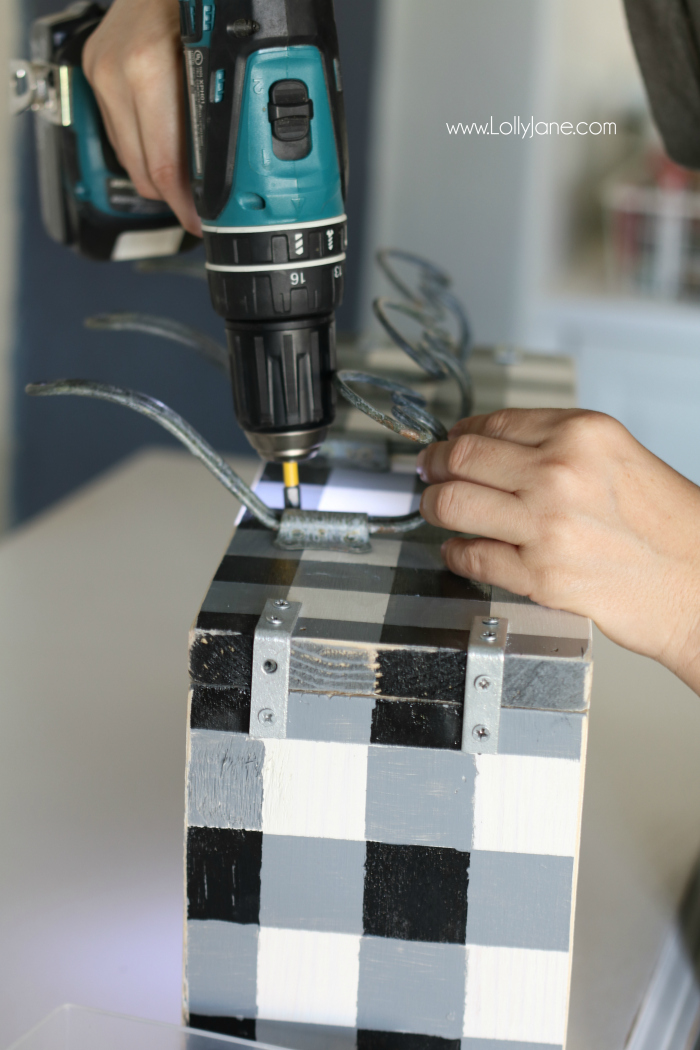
516, 994
272, 493
308, 977
543, 622
323, 603
527, 804
388, 495
384, 552
314, 788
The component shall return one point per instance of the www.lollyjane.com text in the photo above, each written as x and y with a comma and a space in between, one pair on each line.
518, 128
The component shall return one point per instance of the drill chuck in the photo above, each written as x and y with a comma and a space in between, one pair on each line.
282, 374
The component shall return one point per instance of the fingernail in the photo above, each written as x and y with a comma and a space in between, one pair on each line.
443, 550
420, 467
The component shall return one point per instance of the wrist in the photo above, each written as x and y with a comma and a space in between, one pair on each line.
682, 655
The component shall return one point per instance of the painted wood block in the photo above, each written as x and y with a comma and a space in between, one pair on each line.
363, 882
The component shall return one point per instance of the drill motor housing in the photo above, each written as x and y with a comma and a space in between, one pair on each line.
87, 198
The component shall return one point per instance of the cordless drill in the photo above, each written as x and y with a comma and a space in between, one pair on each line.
268, 160
268, 165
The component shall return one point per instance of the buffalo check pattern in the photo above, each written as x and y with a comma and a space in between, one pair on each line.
363, 883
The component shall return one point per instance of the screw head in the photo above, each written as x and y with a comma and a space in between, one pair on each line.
280, 603
243, 27
489, 636
490, 621
270, 666
275, 621
480, 733
266, 716
482, 682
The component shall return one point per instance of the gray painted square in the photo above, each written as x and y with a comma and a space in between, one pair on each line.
411, 986
454, 613
258, 543
339, 576
312, 884
421, 556
222, 962
519, 900
224, 784
546, 733
249, 598
340, 630
506, 1044
314, 716
305, 1036
499, 595
420, 797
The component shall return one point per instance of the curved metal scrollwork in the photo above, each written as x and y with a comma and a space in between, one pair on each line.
441, 348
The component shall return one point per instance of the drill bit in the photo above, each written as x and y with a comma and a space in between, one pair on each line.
292, 492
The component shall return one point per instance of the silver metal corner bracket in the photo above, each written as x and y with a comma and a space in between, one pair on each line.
484, 685
272, 648
324, 531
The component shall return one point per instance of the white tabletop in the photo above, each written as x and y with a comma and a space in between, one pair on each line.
96, 599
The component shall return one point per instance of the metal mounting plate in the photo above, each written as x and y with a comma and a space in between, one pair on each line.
271, 654
484, 685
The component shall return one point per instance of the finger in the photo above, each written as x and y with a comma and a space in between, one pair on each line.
484, 460
526, 426
463, 507
162, 134
122, 128
488, 561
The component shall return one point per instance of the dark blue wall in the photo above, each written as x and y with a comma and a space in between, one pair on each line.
61, 443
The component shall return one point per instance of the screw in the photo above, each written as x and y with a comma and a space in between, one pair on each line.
480, 733
266, 716
489, 636
281, 603
482, 682
243, 27
276, 622
491, 621
269, 667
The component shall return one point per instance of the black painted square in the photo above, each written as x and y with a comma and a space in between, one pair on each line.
249, 521
433, 637
222, 659
441, 583
417, 723
277, 571
422, 674
219, 708
370, 1040
242, 1027
312, 472
416, 893
236, 623
223, 874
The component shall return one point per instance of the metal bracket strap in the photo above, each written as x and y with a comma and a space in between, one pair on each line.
484, 685
323, 531
272, 648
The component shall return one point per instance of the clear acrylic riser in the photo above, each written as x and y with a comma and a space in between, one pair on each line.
77, 1028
